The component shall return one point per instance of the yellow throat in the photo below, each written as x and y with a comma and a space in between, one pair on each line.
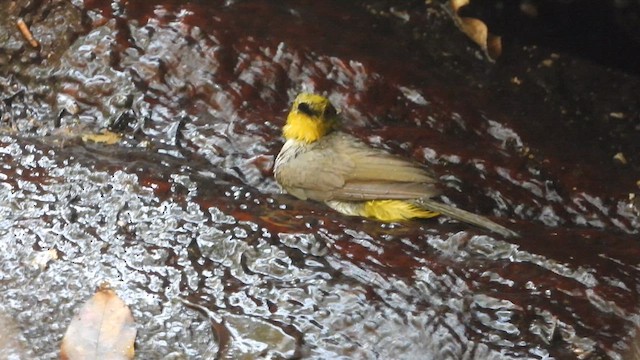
310, 118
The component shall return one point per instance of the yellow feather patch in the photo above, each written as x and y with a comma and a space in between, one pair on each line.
303, 128
394, 210
310, 118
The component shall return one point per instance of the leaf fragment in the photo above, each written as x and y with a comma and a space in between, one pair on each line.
105, 137
103, 329
477, 31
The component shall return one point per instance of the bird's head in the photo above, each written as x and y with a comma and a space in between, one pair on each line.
311, 117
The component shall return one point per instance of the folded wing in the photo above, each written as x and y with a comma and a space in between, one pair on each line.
340, 167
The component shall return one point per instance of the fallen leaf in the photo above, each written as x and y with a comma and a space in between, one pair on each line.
102, 329
105, 137
620, 158
477, 31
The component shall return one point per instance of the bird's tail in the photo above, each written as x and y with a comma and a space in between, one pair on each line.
464, 216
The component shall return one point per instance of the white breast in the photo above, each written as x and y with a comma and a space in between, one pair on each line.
290, 150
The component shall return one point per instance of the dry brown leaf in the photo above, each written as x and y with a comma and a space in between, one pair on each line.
102, 329
477, 31
105, 137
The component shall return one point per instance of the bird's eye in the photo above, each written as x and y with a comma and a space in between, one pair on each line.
330, 111
305, 109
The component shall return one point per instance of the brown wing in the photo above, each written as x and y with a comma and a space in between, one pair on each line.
340, 167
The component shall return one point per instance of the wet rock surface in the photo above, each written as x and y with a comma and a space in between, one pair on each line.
183, 218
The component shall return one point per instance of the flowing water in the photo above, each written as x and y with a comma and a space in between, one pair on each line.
183, 218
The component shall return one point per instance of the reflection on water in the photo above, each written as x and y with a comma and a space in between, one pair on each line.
184, 219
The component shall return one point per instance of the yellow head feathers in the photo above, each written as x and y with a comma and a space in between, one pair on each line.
310, 118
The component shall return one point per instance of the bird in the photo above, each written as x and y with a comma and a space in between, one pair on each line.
320, 162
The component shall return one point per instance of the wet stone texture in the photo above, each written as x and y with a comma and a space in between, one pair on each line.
183, 218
